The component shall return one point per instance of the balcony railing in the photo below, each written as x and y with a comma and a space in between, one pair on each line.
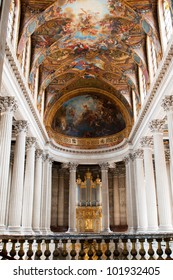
87, 247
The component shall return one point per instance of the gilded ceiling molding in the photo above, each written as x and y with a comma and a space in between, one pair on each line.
88, 143
123, 109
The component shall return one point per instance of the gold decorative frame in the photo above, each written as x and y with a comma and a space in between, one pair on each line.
88, 143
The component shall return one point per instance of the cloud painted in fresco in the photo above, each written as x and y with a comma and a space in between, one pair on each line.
88, 116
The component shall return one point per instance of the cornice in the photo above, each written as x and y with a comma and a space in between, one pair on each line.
163, 67
14, 64
119, 147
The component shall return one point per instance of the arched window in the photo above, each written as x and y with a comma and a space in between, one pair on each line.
11, 21
153, 58
142, 86
165, 22
14, 22
134, 103
167, 19
26, 56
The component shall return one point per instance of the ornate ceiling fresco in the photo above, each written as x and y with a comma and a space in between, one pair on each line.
79, 45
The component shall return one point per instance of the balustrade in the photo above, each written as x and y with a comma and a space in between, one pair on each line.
88, 247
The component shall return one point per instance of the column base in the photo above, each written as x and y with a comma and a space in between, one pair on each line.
106, 230
71, 230
14, 230
36, 231
131, 230
152, 229
3, 231
141, 230
165, 228
27, 231
46, 231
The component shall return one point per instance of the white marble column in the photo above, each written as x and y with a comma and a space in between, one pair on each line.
49, 198
140, 191
28, 190
37, 190
61, 198
130, 194
105, 198
146, 143
7, 108
16, 195
164, 206
167, 105
116, 198
168, 168
72, 197
45, 194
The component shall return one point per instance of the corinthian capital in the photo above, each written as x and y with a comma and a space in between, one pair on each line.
146, 142
167, 155
39, 154
167, 103
20, 126
73, 166
30, 142
8, 104
104, 166
156, 125
126, 159
139, 154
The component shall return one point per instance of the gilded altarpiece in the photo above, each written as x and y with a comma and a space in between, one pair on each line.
89, 219
89, 209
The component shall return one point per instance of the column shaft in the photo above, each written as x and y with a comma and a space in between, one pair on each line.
140, 192
150, 184
45, 195
170, 133
105, 198
130, 194
28, 191
162, 184
72, 198
167, 104
16, 195
61, 199
37, 191
49, 199
164, 207
7, 108
116, 199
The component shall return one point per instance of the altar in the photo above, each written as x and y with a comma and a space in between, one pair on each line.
89, 219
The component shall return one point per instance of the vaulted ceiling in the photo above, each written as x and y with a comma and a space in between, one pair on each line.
88, 54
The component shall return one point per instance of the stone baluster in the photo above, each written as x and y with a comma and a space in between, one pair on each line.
164, 206
146, 143
8, 106
16, 195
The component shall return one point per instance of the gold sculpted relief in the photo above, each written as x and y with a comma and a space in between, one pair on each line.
89, 219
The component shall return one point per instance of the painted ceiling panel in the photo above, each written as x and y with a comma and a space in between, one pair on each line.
88, 44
